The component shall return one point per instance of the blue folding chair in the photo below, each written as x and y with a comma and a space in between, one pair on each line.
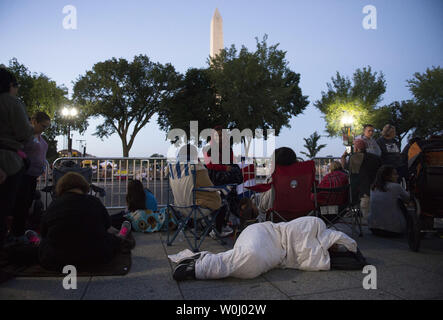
198, 221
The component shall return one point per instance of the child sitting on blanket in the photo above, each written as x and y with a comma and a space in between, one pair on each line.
142, 211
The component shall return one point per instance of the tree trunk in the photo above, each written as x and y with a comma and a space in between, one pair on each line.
125, 148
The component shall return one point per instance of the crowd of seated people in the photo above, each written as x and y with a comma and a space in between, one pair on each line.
76, 228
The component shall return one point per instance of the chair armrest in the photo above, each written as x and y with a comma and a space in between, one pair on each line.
225, 189
262, 187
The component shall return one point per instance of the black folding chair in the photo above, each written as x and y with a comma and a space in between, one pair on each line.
57, 173
334, 211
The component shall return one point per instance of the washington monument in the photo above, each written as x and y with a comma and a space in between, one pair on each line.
216, 34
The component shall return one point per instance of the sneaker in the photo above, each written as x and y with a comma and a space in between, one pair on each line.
184, 271
32, 237
125, 229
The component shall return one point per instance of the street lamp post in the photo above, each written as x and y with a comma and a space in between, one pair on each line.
69, 113
347, 121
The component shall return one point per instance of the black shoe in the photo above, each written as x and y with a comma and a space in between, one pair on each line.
184, 271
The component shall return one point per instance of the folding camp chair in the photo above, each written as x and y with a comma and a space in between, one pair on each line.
293, 185
182, 181
57, 173
338, 205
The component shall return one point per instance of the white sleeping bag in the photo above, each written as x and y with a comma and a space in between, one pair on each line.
302, 243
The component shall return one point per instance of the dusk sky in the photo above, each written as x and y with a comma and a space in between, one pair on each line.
320, 37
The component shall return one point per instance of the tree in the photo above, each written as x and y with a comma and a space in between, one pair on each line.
39, 93
256, 90
427, 89
358, 99
311, 144
126, 94
194, 100
400, 114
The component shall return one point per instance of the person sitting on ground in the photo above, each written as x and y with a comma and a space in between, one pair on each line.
335, 179
362, 167
142, 209
302, 243
139, 197
76, 228
283, 156
209, 200
387, 213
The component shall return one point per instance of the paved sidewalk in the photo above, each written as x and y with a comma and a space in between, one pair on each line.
401, 274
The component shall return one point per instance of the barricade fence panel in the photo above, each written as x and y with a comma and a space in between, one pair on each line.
113, 175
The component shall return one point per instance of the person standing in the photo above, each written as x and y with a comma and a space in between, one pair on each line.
15, 130
362, 167
36, 150
371, 144
390, 150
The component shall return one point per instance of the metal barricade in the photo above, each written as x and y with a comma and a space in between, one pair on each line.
113, 175
322, 166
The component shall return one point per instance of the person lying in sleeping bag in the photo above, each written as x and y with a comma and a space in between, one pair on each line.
302, 243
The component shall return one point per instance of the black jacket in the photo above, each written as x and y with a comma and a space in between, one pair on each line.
74, 232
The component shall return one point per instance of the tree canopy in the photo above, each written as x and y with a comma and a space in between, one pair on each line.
194, 100
239, 90
125, 94
358, 99
39, 93
400, 114
256, 90
427, 89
